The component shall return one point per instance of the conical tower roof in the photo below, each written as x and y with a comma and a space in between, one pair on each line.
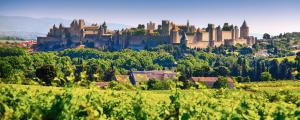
184, 37
244, 24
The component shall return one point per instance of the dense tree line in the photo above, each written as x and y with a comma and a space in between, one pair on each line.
87, 65
10, 38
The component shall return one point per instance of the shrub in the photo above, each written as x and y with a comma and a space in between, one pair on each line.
265, 76
114, 85
222, 82
46, 73
154, 84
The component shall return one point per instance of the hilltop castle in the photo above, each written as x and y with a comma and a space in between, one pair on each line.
98, 36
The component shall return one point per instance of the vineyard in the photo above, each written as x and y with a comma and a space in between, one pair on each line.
244, 102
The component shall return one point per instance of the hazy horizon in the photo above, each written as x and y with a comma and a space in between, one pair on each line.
263, 16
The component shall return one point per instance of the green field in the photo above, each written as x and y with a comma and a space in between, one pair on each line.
264, 100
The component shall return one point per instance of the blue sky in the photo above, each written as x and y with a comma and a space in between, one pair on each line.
271, 16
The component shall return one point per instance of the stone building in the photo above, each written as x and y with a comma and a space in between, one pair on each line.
244, 30
166, 27
150, 27
99, 36
215, 36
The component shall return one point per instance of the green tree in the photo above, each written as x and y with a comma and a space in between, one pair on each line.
266, 36
6, 69
285, 69
4, 52
297, 60
222, 71
236, 70
274, 69
265, 76
91, 70
46, 73
201, 71
222, 82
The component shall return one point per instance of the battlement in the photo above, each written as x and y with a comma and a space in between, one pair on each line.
168, 33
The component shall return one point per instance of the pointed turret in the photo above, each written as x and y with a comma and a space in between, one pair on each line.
188, 23
60, 26
184, 39
198, 30
104, 26
219, 28
101, 30
244, 30
54, 26
188, 26
197, 37
75, 22
174, 28
244, 24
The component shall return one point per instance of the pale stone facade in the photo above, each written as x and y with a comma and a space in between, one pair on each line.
98, 36
150, 27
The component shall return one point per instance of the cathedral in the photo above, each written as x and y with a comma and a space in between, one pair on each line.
99, 36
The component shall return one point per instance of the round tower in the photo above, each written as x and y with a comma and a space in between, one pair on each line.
81, 23
219, 33
174, 35
236, 30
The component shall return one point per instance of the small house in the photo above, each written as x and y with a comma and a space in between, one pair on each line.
141, 76
122, 78
209, 81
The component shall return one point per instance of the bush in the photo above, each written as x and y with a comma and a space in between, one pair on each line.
6, 69
265, 76
5, 52
46, 73
154, 84
222, 82
114, 85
